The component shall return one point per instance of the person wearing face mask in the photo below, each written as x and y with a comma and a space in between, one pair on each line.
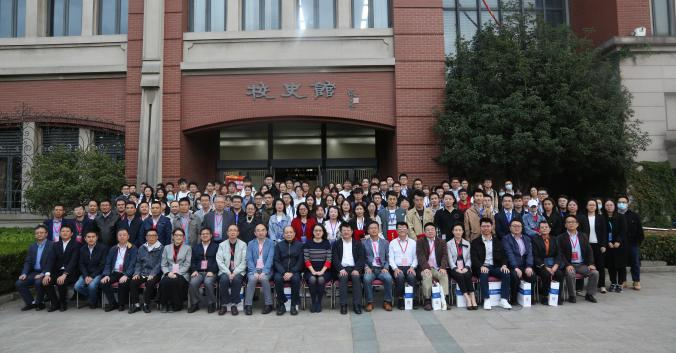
635, 237
509, 188
616, 255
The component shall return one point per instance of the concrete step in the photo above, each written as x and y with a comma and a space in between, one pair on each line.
653, 263
657, 269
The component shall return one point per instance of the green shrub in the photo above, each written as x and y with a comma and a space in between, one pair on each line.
659, 248
13, 245
652, 187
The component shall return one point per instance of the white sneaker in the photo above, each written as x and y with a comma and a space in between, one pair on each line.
487, 305
505, 304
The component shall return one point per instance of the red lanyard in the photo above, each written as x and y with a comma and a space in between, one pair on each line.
260, 249
459, 247
403, 250
176, 251
574, 244
431, 248
374, 244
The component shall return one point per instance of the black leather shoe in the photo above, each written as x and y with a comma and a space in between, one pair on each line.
211, 308
146, 308
222, 310
63, 306
52, 308
170, 309
233, 310
122, 307
356, 309
343, 309
267, 309
247, 310
28, 307
40, 306
193, 308
294, 310
428, 305
93, 306
572, 300
165, 309
134, 308
400, 304
110, 307
590, 298
281, 309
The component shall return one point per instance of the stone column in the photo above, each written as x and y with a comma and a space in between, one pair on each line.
30, 143
344, 13
150, 134
234, 16
288, 14
89, 18
36, 18
86, 137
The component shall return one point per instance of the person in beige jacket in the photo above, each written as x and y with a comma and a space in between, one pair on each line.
231, 260
473, 216
418, 216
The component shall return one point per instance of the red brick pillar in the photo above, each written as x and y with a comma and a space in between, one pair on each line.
133, 88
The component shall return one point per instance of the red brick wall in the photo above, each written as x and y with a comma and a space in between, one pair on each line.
133, 88
601, 20
419, 80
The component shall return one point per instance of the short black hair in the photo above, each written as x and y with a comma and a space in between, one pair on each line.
486, 220
402, 224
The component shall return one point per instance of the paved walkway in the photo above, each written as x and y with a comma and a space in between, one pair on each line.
642, 321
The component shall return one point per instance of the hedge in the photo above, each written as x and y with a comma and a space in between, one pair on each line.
652, 186
13, 245
659, 247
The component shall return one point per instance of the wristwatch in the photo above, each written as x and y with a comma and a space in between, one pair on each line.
48, 274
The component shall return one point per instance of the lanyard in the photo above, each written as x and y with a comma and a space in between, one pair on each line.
303, 226
120, 253
403, 250
78, 226
574, 244
431, 249
458, 246
374, 244
176, 251
260, 250
360, 225
333, 228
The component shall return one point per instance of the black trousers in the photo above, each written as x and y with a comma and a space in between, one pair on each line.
148, 293
295, 288
62, 289
546, 279
516, 281
464, 280
600, 263
122, 289
173, 291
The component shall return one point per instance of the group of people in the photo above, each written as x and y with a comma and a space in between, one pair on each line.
234, 239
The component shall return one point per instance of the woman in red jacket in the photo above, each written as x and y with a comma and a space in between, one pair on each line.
303, 223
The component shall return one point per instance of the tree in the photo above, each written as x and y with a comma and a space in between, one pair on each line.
529, 101
72, 177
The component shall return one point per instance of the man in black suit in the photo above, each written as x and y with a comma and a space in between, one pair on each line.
505, 216
349, 265
219, 219
488, 259
91, 262
55, 223
132, 223
62, 269
577, 257
81, 224
546, 260
34, 268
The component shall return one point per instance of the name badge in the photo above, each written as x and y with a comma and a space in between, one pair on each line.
303, 239
78, 239
119, 268
460, 264
174, 268
404, 261
574, 256
377, 261
203, 265
259, 263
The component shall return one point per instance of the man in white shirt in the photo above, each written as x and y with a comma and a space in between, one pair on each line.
403, 262
348, 261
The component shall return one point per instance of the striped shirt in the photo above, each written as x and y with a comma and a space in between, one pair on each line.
317, 255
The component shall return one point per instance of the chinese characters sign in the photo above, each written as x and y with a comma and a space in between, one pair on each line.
296, 90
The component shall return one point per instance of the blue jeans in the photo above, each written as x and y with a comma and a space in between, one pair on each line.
377, 273
88, 290
504, 286
635, 262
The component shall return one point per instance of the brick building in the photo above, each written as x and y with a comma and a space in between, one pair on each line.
314, 89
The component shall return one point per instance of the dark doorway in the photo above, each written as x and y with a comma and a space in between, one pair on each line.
310, 175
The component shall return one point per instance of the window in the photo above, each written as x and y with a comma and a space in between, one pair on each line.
113, 16
207, 15
12, 18
261, 14
65, 17
55, 136
462, 18
663, 18
110, 143
371, 14
316, 14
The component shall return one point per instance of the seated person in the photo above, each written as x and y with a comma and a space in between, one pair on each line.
348, 264
403, 262
260, 255
175, 266
519, 253
62, 268
231, 260
288, 264
203, 270
377, 265
317, 256
34, 268
433, 258
91, 262
546, 261
460, 260
576, 257
120, 265
488, 259
146, 270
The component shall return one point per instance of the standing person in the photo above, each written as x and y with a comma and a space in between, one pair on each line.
474, 214
92, 261
288, 264
531, 220
519, 252
317, 256
552, 216
447, 217
376, 266
219, 219
247, 227
418, 216
572, 208
403, 262
577, 257
81, 224
159, 222
488, 190
546, 260
187, 221
231, 260
464, 202
260, 255
332, 225
120, 265
147, 270
92, 209
460, 261
616, 254
359, 221
303, 223
106, 223
35, 265
278, 221
635, 237
203, 270
391, 216
63, 265
54, 224
175, 265
132, 223
488, 259
594, 227
348, 263
504, 217
433, 260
